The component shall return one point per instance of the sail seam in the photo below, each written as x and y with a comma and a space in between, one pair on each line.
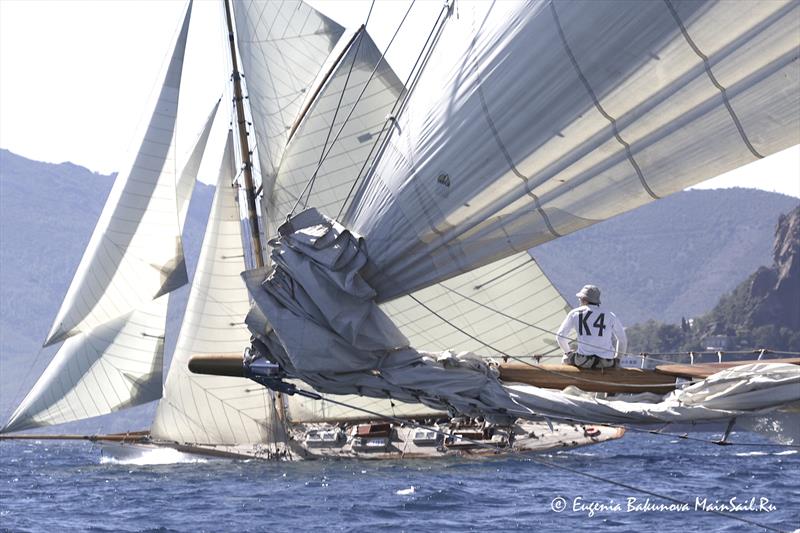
722, 90
511, 165
597, 104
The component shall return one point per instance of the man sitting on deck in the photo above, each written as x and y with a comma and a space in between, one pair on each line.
595, 326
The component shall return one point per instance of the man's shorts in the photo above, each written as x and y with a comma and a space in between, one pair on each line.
589, 361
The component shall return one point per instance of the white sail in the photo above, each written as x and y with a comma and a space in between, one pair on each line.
507, 308
135, 253
536, 119
188, 177
113, 366
312, 152
283, 45
211, 409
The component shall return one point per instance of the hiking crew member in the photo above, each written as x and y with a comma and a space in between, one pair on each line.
595, 327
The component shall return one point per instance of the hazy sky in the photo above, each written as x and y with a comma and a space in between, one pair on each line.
76, 77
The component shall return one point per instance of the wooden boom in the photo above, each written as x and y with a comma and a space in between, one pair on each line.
661, 380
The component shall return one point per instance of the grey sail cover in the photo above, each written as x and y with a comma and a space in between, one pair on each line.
535, 119
325, 328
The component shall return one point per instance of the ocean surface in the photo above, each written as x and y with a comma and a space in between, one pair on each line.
70, 486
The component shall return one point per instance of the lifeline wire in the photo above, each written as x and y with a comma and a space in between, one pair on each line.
537, 460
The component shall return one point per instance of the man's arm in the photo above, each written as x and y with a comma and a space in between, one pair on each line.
562, 337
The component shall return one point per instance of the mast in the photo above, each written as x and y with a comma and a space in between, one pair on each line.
247, 171
252, 215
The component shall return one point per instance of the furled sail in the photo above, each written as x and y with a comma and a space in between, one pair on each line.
536, 119
206, 409
283, 46
358, 94
135, 253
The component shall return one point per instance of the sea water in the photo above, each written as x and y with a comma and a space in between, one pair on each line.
53, 486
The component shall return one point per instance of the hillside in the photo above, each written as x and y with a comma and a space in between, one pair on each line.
763, 311
672, 258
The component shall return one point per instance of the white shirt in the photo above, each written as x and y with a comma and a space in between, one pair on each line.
595, 327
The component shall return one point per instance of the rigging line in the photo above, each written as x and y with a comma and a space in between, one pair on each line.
310, 185
21, 385
534, 459
684, 436
540, 367
324, 154
404, 95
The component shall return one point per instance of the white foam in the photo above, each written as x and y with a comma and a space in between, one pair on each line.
141, 456
405, 492
751, 454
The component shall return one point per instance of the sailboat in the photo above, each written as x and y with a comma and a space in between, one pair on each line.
308, 121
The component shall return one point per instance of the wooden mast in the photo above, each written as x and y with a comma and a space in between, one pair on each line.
247, 170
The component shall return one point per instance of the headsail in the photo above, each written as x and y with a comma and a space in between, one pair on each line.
205, 409
535, 120
135, 253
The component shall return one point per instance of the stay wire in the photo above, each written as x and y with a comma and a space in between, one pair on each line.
403, 95
534, 459
324, 154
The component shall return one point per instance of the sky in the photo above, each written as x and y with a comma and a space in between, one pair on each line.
76, 77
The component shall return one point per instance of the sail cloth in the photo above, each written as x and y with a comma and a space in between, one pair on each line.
135, 253
323, 326
210, 409
113, 366
358, 93
283, 46
535, 119
506, 308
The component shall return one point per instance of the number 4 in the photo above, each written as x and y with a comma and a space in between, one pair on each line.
600, 324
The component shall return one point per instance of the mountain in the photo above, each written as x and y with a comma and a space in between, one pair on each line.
669, 259
763, 311
47, 214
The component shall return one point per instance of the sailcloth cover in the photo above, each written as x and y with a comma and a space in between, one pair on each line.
532, 120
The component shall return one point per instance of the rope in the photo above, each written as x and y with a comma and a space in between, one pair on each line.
414, 74
537, 460
309, 185
322, 155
